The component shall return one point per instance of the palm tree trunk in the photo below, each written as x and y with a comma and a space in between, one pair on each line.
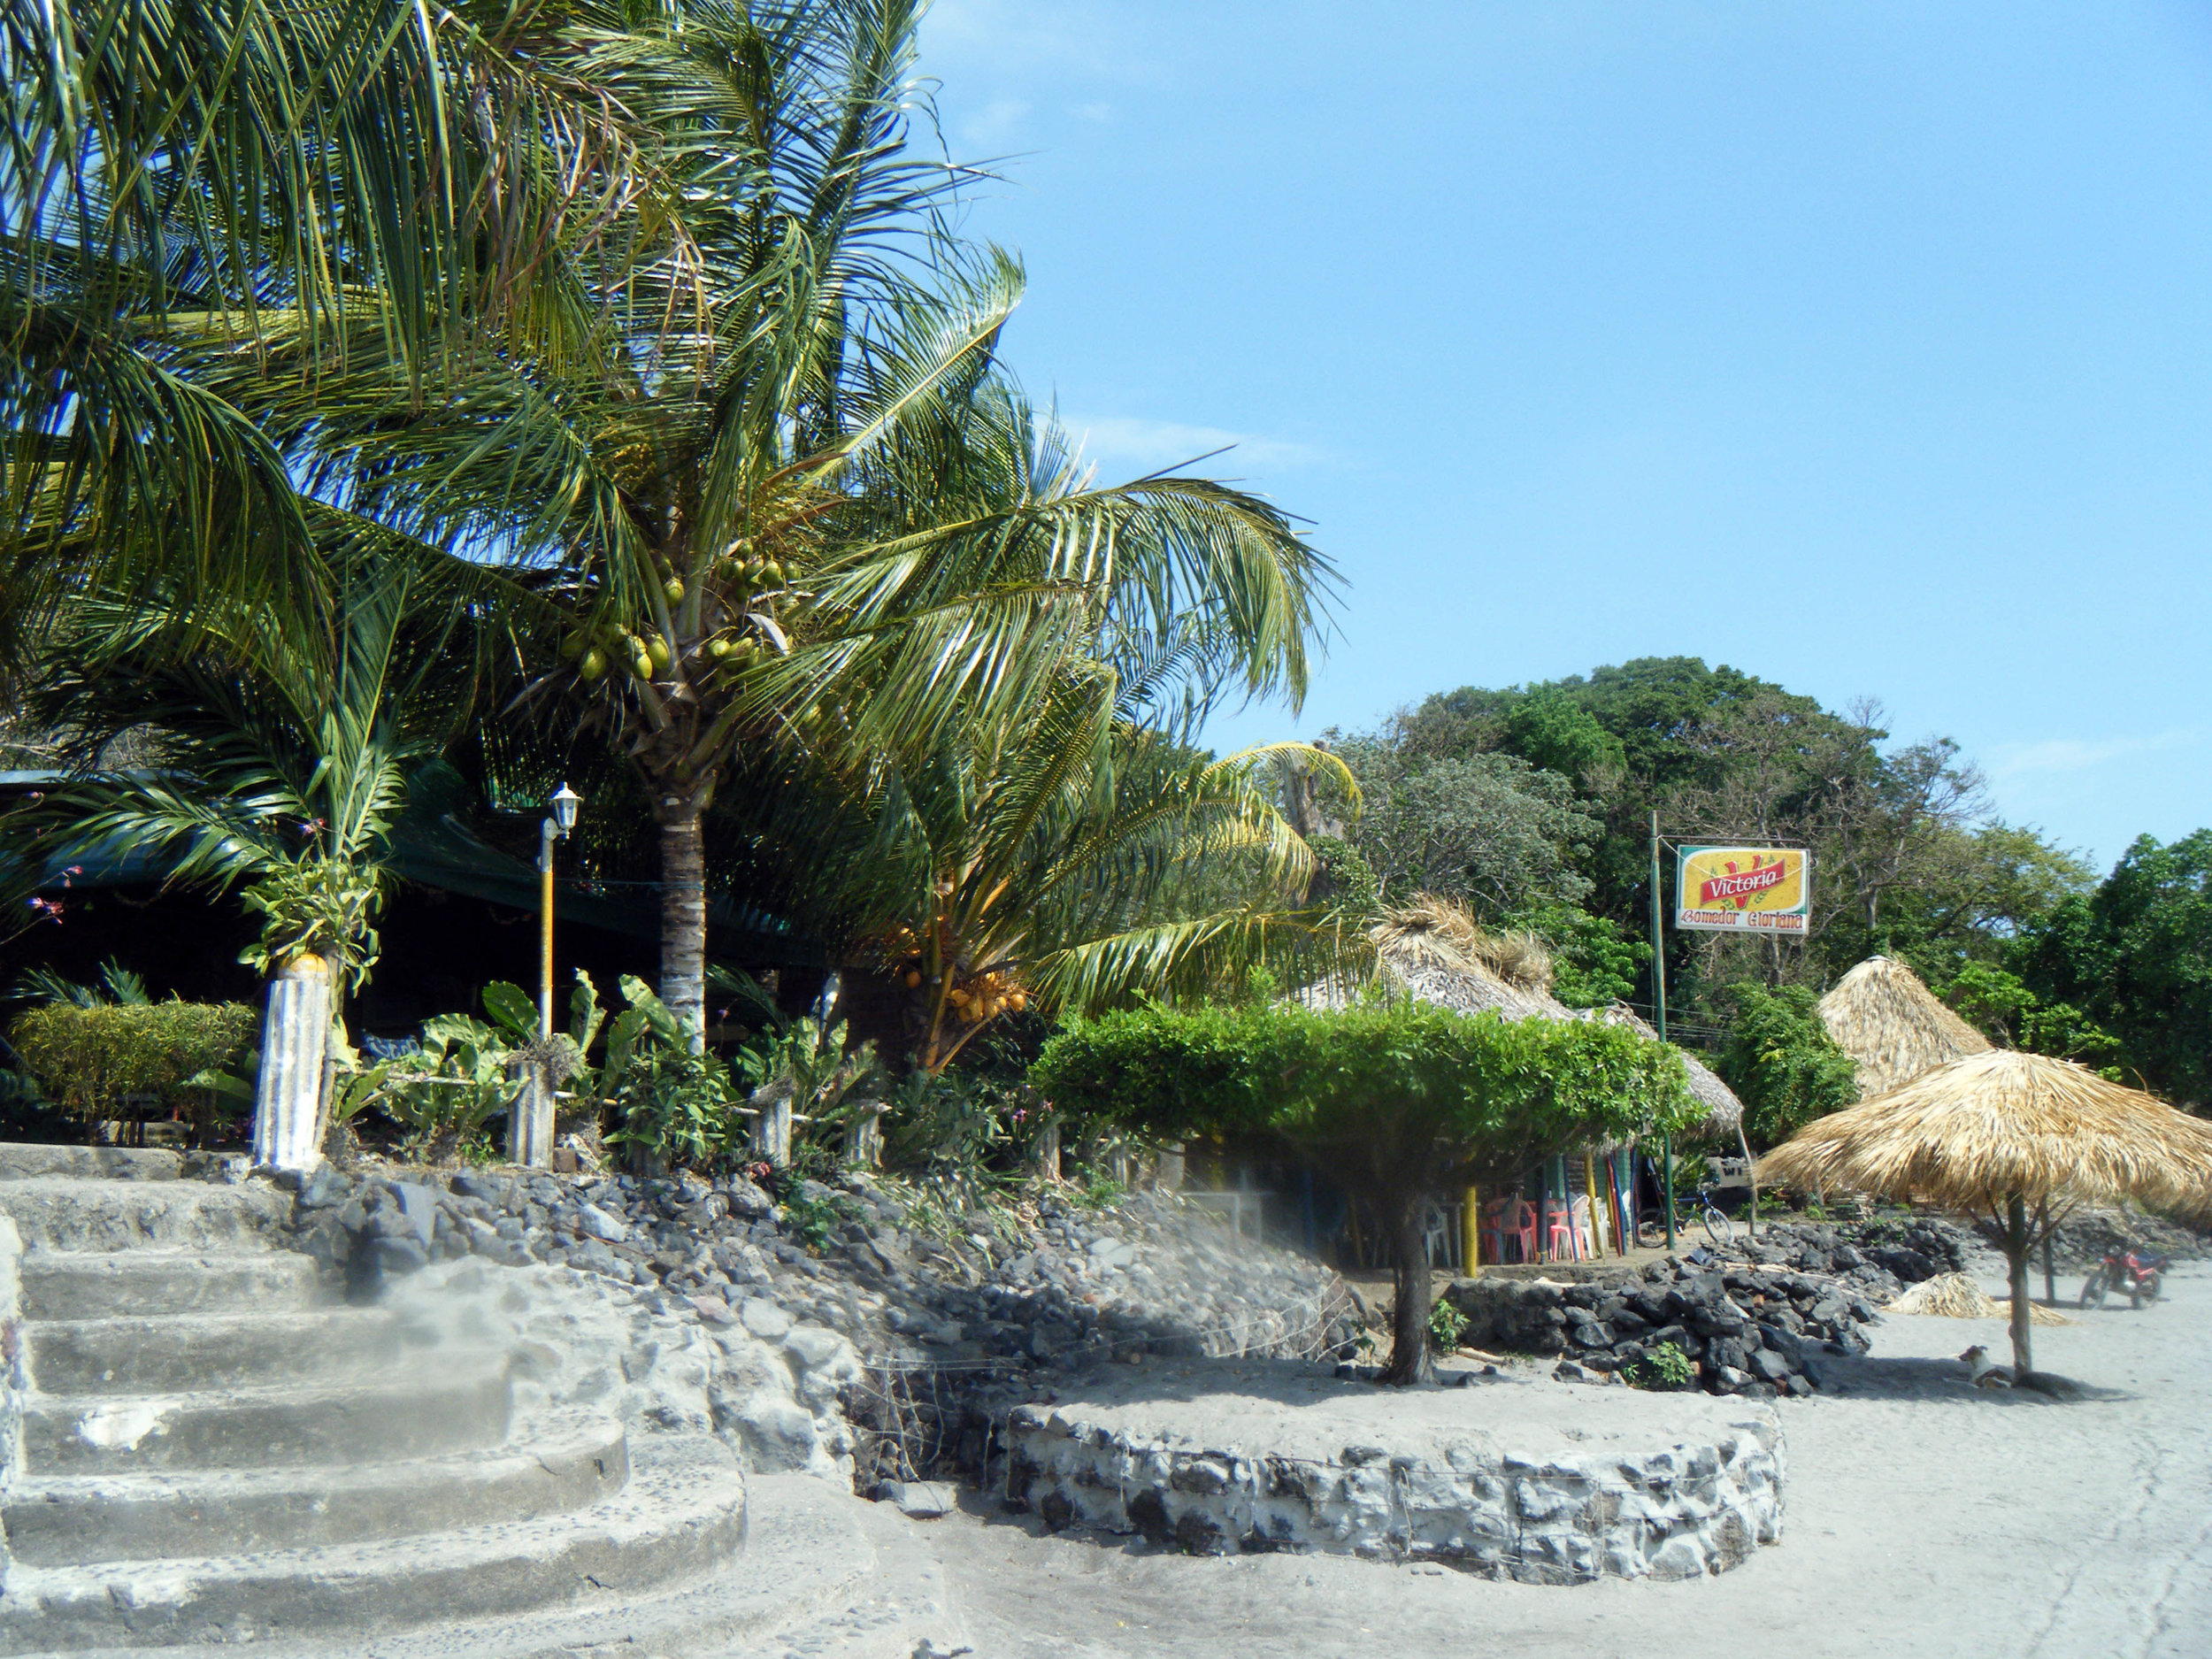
1410, 1361
684, 919
2016, 1259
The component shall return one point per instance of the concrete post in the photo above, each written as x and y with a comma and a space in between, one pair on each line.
1168, 1174
771, 1128
1045, 1149
295, 1042
530, 1119
864, 1138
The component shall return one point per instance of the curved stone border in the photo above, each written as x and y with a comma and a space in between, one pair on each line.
1679, 1512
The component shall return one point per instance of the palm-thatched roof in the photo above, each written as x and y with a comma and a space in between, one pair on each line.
1724, 1112
1973, 1133
1435, 951
1893, 1025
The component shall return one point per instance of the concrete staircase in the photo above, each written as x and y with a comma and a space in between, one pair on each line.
215, 1449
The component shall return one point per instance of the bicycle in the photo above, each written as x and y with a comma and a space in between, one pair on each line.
1719, 1231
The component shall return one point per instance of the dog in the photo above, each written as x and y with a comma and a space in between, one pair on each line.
1987, 1372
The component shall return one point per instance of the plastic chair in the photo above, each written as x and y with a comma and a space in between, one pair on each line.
1509, 1218
1570, 1222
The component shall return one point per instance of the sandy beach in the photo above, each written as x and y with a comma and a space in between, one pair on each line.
1925, 1517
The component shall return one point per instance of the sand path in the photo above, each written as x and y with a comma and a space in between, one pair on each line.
1925, 1517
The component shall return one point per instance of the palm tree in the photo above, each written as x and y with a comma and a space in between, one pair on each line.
283, 756
320, 178
792, 504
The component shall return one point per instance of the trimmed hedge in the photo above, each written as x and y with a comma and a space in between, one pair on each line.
87, 1059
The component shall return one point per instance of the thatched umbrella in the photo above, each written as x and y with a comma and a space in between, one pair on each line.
1893, 1025
2003, 1133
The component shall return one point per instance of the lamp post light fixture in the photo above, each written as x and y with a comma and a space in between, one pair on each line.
563, 804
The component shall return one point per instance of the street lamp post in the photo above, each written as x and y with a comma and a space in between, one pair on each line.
530, 1121
565, 802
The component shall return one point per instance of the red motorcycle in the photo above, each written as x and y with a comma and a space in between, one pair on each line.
2123, 1270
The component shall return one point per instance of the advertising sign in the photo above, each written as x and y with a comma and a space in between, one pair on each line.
1743, 889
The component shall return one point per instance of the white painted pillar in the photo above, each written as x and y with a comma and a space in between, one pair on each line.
294, 1043
530, 1119
772, 1127
864, 1138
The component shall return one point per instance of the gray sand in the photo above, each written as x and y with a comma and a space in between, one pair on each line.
1925, 1517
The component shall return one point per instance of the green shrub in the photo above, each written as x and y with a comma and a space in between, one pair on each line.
87, 1059
1664, 1367
1782, 1063
674, 1106
1399, 1100
1446, 1325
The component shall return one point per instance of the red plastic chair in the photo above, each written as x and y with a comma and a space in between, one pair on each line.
1509, 1218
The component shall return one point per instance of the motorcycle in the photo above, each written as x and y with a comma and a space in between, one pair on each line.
2123, 1270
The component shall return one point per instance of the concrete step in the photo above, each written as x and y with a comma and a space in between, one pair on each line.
681, 1517
564, 1462
97, 1285
197, 1352
443, 1401
818, 1575
23, 1160
61, 1212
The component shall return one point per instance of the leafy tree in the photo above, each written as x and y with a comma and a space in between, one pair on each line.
1064, 862
2005, 1009
1400, 1101
1782, 1063
1483, 828
223, 176
1594, 963
2135, 956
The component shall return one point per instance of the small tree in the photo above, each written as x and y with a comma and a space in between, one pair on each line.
1782, 1061
1400, 1101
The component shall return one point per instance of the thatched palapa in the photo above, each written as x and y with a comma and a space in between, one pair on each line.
2007, 1135
1975, 1133
1893, 1025
1439, 954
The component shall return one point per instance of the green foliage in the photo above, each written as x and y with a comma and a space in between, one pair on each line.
1664, 1367
118, 984
1486, 828
1400, 1097
814, 1221
87, 1059
1446, 1325
1550, 730
465, 1073
1781, 1062
314, 906
287, 750
670, 1103
447, 1094
1347, 880
2002, 1006
1100, 1193
1594, 962
2135, 957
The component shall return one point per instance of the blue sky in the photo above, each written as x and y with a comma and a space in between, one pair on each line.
1867, 347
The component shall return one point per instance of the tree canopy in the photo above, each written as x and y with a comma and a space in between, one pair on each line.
1400, 1101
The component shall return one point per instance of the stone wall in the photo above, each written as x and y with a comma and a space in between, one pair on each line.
1567, 1515
1745, 1331
840, 1332
14, 1382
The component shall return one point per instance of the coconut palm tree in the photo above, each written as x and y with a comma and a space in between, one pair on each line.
791, 501
283, 756
317, 177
